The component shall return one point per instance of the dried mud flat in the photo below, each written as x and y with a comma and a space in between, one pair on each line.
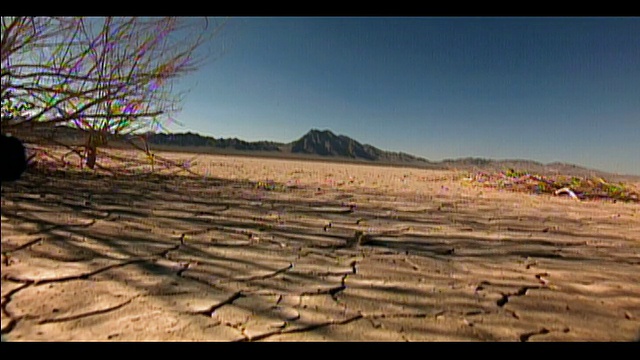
284, 250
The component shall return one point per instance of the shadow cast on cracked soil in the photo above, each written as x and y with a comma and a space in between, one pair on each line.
233, 260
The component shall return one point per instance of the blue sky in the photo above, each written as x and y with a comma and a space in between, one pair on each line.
545, 89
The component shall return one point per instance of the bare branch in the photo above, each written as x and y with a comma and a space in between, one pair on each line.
107, 76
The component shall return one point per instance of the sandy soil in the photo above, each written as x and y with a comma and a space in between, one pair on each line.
282, 250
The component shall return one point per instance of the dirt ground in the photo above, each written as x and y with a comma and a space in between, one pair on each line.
284, 250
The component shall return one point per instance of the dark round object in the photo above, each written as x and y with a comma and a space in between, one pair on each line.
14, 158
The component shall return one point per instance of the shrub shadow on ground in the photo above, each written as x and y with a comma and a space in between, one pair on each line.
231, 260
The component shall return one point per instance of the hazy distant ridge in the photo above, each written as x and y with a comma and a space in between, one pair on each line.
191, 139
325, 144
315, 142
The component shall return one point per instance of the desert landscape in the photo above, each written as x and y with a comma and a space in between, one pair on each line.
256, 249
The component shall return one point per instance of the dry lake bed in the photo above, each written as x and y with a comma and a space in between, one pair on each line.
254, 249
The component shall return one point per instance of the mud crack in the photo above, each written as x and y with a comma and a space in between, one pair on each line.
87, 314
13, 321
62, 226
75, 277
332, 291
165, 253
301, 329
87, 275
260, 277
23, 246
370, 317
228, 301
526, 336
354, 270
521, 292
402, 315
7, 253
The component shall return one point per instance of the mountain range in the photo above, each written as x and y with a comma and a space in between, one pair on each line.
318, 143
325, 145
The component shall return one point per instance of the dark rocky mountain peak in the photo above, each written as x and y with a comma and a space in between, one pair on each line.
326, 143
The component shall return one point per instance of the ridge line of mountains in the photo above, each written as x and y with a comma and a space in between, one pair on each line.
316, 142
325, 145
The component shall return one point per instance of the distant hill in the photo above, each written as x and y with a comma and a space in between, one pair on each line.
191, 139
324, 144
554, 168
314, 143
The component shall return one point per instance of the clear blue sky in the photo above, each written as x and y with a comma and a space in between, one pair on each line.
545, 89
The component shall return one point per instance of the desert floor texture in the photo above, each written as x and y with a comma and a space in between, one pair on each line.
282, 250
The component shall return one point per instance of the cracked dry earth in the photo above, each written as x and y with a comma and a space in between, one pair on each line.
336, 252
